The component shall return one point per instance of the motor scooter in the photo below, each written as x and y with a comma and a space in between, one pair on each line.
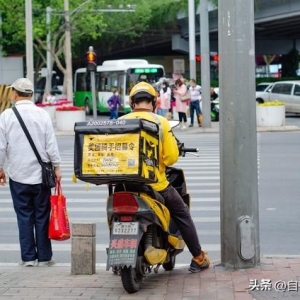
143, 236
214, 111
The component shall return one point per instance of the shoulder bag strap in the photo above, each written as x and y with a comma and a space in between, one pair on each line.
27, 134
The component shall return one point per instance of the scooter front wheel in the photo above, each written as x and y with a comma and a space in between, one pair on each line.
131, 280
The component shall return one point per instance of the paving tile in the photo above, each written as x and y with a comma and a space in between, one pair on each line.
216, 283
225, 294
242, 296
241, 285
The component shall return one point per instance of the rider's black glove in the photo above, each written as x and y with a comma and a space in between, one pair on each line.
180, 147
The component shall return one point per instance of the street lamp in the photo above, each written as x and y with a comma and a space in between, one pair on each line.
68, 53
192, 40
49, 60
29, 41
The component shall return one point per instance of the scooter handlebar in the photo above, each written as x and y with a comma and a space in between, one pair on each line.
185, 150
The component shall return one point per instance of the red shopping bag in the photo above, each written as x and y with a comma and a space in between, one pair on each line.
59, 227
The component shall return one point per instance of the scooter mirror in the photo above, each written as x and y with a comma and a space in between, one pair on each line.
173, 123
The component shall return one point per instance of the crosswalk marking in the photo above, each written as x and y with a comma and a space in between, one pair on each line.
103, 209
102, 201
87, 203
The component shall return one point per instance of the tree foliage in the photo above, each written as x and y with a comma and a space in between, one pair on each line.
290, 63
14, 32
90, 21
126, 29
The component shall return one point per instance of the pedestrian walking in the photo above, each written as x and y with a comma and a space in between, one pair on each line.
180, 90
195, 91
31, 199
113, 103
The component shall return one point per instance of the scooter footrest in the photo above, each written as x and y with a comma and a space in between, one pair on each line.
176, 242
155, 256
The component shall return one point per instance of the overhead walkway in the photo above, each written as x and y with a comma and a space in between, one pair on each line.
276, 23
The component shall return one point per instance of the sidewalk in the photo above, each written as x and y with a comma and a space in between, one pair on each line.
274, 278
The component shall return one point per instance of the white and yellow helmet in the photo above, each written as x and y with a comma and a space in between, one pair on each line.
143, 90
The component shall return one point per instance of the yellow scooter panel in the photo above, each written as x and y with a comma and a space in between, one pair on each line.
160, 210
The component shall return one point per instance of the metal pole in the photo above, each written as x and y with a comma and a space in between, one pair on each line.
29, 42
192, 39
49, 60
240, 246
93, 84
205, 63
68, 54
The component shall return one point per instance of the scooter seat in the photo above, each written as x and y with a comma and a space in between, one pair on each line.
140, 189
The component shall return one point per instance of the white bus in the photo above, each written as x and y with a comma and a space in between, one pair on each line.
120, 74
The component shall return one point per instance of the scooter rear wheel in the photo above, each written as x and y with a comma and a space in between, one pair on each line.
131, 280
170, 265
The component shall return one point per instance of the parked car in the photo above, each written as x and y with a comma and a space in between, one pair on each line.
262, 91
56, 89
288, 92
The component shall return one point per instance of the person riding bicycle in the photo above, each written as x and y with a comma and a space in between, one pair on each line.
142, 100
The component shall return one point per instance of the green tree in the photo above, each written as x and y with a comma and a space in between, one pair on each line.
150, 17
15, 32
290, 63
90, 22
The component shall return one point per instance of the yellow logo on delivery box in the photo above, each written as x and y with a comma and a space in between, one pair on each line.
114, 154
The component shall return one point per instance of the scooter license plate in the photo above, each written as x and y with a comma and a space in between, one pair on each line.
125, 228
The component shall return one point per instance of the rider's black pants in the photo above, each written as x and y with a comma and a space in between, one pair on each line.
180, 214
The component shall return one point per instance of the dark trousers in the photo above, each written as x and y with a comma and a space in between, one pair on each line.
195, 107
113, 114
32, 207
180, 214
182, 117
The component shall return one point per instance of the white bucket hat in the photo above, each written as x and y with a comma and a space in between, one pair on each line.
23, 85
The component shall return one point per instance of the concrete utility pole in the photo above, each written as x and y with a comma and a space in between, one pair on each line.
205, 63
240, 247
29, 42
192, 39
68, 53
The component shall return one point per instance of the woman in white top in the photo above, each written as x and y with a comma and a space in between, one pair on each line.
195, 91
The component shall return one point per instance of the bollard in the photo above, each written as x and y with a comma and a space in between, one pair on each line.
83, 249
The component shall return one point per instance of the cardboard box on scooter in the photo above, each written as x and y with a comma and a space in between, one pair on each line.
116, 151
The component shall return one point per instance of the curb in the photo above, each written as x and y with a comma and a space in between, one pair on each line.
213, 129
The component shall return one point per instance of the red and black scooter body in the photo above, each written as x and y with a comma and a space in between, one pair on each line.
134, 226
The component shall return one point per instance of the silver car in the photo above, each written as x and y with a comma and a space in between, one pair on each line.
288, 92
262, 91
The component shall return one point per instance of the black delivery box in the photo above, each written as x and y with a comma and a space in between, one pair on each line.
115, 151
